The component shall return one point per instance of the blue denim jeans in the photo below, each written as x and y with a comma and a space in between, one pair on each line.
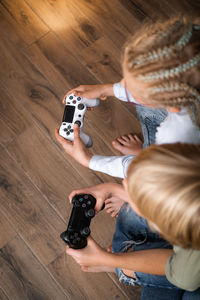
150, 119
132, 231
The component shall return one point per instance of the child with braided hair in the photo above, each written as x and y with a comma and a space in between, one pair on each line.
161, 75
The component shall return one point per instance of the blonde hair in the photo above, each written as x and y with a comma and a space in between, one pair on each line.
165, 56
164, 183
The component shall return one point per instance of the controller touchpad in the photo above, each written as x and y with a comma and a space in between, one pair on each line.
68, 113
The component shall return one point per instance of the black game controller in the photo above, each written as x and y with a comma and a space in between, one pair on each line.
79, 223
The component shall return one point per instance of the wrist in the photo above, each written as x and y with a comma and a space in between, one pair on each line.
108, 89
86, 161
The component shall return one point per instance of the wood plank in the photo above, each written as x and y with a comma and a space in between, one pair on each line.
7, 231
3, 295
23, 277
103, 59
74, 30
82, 285
29, 212
54, 174
42, 101
13, 119
107, 14
19, 23
60, 59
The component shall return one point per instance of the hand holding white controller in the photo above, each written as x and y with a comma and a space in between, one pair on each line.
75, 108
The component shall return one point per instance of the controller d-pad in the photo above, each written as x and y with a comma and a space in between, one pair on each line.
71, 130
81, 106
65, 129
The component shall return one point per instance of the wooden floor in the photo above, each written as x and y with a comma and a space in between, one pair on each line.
46, 48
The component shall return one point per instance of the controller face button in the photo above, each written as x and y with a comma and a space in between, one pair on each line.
86, 197
89, 202
78, 122
79, 98
71, 97
81, 199
83, 205
74, 101
81, 106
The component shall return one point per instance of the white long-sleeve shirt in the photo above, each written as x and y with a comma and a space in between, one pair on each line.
177, 127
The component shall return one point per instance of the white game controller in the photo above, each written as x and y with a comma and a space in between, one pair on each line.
75, 108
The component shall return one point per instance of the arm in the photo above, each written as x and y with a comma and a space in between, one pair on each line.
101, 91
146, 261
111, 165
115, 166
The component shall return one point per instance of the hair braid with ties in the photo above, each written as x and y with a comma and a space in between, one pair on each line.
166, 58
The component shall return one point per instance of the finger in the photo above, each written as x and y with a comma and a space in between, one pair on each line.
76, 132
63, 99
120, 140
65, 143
59, 138
103, 98
90, 108
76, 192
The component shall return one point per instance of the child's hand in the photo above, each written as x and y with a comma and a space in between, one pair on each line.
101, 192
100, 91
75, 149
91, 255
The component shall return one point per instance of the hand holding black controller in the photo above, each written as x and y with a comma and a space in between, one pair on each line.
78, 227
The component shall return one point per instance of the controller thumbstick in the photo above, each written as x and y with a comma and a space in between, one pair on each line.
90, 213
81, 106
85, 231
78, 122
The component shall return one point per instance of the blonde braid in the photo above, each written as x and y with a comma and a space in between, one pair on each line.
166, 58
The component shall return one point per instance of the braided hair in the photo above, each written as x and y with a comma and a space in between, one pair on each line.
165, 57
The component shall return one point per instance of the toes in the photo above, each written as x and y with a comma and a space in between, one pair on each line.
131, 137
116, 145
125, 138
137, 138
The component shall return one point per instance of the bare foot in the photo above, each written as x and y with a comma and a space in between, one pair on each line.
113, 205
128, 144
97, 269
